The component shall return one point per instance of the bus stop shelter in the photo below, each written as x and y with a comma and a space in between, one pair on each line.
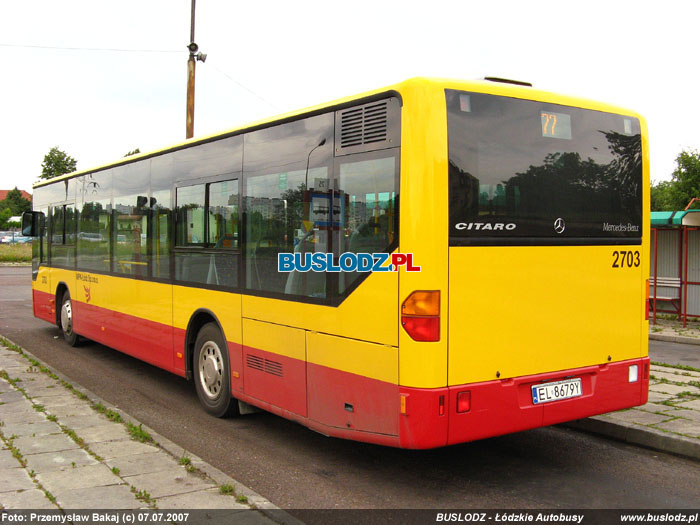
674, 284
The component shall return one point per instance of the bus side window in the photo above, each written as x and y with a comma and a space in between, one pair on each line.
57, 225
368, 186
190, 266
190, 215
207, 233
63, 235
222, 215
222, 231
130, 220
94, 226
287, 203
161, 233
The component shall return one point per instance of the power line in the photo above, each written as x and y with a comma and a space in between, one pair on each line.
245, 87
109, 49
118, 50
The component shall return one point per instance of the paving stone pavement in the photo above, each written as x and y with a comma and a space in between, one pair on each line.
59, 450
670, 421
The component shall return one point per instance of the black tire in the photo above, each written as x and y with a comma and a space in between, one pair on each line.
66, 320
212, 373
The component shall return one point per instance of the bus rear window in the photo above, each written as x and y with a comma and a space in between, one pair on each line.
532, 173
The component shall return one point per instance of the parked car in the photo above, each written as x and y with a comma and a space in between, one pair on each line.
8, 238
5, 237
91, 237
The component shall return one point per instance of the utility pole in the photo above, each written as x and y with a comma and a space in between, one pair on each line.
194, 56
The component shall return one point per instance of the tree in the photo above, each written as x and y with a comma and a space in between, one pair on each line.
686, 178
4, 218
683, 186
57, 163
15, 203
661, 198
134, 152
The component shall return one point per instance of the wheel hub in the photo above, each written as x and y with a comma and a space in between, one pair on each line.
211, 365
210, 372
67, 317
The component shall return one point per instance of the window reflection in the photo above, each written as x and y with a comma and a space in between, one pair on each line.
368, 190
94, 228
63, 235
131, 228
288, 174
190, 215
223, 215
208, 220
509, 164
161, 234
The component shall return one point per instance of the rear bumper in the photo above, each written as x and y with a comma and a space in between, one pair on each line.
505, 406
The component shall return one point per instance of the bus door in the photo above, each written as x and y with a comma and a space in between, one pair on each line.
41, 274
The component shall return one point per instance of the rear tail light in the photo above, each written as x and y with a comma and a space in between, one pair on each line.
422, 328
464, 401
420, 315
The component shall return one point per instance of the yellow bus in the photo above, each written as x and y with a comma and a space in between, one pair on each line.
422, 265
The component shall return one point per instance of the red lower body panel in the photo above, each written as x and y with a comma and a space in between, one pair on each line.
44, 306
276, 379
352, 402
350, 406
338, 404
146, 340
501, 407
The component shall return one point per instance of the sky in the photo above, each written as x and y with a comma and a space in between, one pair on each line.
99, 78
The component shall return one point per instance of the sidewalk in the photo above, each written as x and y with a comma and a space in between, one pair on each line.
673, 330
670, 421
63, 448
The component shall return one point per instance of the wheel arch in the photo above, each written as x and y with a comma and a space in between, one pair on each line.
198, 319
61, 288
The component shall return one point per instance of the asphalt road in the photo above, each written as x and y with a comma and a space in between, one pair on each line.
297, 468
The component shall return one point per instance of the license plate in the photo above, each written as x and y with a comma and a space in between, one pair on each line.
548, 392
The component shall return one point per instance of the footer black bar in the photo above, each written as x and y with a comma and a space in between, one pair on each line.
355, 517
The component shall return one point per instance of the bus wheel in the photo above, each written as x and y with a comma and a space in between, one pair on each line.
67, 320
211, 372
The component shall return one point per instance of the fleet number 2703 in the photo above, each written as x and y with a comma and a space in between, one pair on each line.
626, 259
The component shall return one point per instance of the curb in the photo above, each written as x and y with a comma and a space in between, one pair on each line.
255, 500
675, 339
641, 436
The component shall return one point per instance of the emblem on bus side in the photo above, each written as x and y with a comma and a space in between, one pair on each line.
510, 226
559, 225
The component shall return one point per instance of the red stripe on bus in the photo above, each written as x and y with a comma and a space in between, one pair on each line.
44, 304
275, 379
346, 405
501, 407
350, 401
146, 340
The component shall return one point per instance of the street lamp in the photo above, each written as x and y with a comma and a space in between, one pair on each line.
195, 55
308, 159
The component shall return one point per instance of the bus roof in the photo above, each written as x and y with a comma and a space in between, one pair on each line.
500, 88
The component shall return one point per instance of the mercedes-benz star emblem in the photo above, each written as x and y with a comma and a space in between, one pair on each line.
559, 225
